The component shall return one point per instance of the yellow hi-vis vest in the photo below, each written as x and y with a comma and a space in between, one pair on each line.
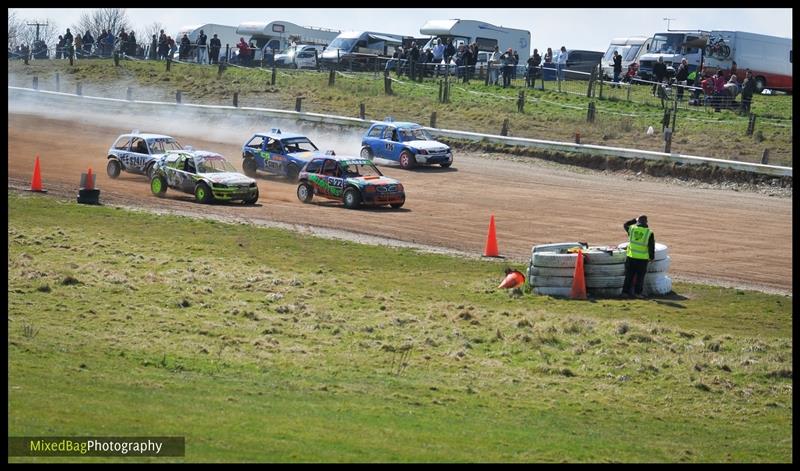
638, 238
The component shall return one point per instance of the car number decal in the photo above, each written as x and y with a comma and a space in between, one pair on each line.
390, 146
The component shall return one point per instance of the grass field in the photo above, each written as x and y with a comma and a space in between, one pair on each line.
265, 345
473, 107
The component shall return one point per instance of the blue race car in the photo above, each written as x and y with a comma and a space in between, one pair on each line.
278, 153
406, 143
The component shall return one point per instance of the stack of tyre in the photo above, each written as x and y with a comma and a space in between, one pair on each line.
552, 267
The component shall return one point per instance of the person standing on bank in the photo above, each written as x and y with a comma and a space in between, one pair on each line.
641, 249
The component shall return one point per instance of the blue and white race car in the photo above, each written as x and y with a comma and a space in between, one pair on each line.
136, 153
278, 153
406, 143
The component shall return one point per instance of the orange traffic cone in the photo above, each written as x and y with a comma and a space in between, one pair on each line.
491, 241
512, 280
578, 280
36, 183
89, 180
88, 194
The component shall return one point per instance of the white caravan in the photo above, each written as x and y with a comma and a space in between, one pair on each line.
279, 36
629, 48
226, 35
486, 35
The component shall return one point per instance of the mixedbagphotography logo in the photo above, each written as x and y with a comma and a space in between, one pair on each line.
96, 446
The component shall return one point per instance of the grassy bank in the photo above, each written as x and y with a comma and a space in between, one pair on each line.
473, 107
260, 344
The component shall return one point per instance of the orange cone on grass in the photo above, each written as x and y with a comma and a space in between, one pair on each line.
578, 280
512, 280
491, 241
89, 180
88, 194
36, 183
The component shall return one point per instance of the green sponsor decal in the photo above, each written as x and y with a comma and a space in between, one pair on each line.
323, 183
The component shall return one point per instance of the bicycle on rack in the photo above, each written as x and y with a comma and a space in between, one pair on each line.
718, 48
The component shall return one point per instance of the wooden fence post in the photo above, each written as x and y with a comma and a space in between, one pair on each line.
58, 82
668, 140
521, 101
765, 157
433, 119
751, 124
35, 82
362, 111
274, 71
178, 97
504, 130
169, 63
297, 103
332, 77
78, 89
236, 99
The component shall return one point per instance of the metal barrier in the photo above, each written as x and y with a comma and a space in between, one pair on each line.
221, 111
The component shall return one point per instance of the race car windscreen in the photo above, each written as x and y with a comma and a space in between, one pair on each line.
416, 134
365, 169
299, 144
215, 165
160, 146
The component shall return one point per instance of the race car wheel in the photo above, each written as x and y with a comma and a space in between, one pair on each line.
447, 165
305, 193
113, 168
352, 198
292, 172
158, 185
366, 153
202, 193
149, 171
249, 167
253, 199
407, 160
398, 205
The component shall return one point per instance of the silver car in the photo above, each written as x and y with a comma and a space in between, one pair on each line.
136, 153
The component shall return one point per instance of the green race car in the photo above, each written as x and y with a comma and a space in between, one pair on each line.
206, 175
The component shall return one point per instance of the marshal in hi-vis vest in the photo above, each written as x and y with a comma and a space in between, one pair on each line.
638, 238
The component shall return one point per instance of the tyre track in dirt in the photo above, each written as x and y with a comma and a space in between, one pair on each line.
728, 238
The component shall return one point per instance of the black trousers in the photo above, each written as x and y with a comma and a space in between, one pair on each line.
635, 271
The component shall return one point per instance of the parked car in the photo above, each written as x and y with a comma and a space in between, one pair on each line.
581, 61
206, 175
301, 56
277, 152
136, 153
352, 180
406, 143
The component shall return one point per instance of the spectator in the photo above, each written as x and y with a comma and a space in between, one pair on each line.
548, 64
214, 49
68, 39
101, 43
494, 58
88, 42
60, 47
172, 46
561, 62
734, 70
154, 47
748, 88
473, 61
514, 68
123, 38
183, 51
640, 251
413, 58
427, 59
109, 43
533, 65
163, 48
78, 45
507, 60
449, 51
617, 60
132, 44
659, 72
548, 56
202, 51
244, 51
730, 91
682, 76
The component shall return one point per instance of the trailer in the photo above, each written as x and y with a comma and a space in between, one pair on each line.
630, 49
486, 35
226, 35
278, 36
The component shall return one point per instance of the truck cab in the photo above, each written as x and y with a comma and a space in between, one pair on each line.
671, 46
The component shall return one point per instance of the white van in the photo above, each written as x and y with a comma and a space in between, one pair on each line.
629, 48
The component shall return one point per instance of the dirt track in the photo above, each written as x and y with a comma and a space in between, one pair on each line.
725, 237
